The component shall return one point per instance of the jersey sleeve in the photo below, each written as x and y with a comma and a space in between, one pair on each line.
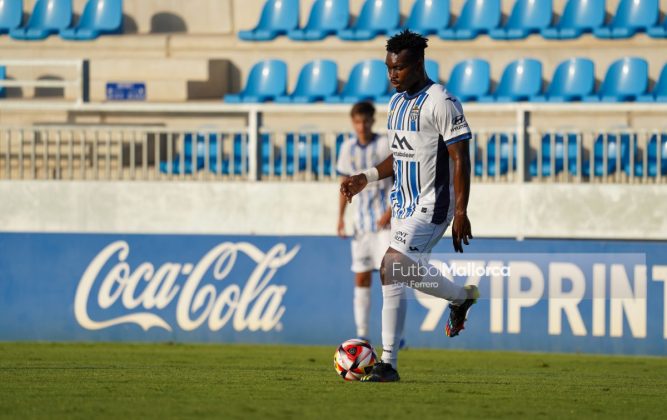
450, 121
344, 164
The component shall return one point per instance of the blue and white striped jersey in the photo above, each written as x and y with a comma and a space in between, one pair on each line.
373, 201
420, 127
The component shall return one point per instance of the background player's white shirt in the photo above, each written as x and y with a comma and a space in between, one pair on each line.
373, 201
421, 126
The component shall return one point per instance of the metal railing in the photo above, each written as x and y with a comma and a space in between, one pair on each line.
149, 153
80, 82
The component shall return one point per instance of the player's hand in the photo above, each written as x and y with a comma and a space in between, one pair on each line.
341, 228
385, 220
461, 231
352, 186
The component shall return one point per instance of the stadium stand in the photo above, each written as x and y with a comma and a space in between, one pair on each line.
521, 81
317, 80
631, 16
278, 18
573, 80
327, 17
367, 81
497, 156
377, 17
659, 92
2, 77
579, 17
11, 13
658, 31
528, 16
546, 163
626, 80
99, 17
656, 158
427, 17
48, 17
470, 80
477, 17
267, 81
606, 155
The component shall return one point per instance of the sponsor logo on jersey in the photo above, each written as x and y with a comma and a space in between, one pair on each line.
458, 123
400, 143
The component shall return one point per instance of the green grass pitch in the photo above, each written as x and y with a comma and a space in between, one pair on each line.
261, 381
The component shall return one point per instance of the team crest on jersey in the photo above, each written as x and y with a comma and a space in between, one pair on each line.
414, 113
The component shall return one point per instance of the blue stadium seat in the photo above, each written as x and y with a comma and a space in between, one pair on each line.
326, 18
329, 163
278, 17
521, 81
477, 17
196, 148
317, 80
652, 158
470, 79
599, 168
503, 153
48, 17
267, 80
528, 16
432, 71
559, 154
296, 149
99, 17
377, 17
659, 92
632, 16
240, 167
427, 17
579, 17
2, 77
626, 79
573, 80
657, 31
367, 81
11, 14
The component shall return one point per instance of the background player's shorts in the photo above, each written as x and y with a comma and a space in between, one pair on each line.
416, 237
368, 249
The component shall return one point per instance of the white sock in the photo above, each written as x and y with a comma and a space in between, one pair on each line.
394, 306
362, 309
434, 283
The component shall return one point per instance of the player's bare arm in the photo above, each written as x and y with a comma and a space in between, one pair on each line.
354, 184
461, 229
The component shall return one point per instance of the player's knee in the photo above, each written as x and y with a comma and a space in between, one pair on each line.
390, 263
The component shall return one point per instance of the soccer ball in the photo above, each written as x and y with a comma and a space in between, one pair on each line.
354, 359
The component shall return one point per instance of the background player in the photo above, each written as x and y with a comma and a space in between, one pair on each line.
430, 162
372, 212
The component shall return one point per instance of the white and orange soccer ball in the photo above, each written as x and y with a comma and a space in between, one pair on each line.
354, 359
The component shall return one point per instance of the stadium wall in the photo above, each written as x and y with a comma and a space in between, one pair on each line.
257, 262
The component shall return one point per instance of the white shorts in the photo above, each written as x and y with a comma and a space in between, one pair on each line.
416, 237
368, 249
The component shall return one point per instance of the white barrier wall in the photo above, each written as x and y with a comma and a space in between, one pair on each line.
295, 208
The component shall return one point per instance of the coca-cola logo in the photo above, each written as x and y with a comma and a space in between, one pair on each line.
255, 305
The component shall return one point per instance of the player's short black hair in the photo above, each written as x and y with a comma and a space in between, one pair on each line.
363, 108
408, 40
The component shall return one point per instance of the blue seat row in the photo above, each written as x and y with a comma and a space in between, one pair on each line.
382, 17
573, 80
618, 153
55, 16
195, 154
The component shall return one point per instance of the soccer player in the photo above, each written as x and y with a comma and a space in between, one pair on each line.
372, 213
429, 139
